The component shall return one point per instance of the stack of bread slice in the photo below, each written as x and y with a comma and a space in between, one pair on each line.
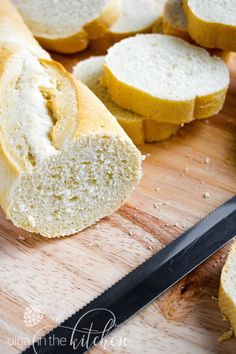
69, 26
65, 162
227, 292
139, 128
156, 83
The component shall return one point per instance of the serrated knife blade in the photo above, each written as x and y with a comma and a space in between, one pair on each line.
144, 284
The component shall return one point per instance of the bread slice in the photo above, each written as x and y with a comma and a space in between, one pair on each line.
212, 24
64, 160
227, 292
139, 128
136, 17
66, 26
165, 78
174, 20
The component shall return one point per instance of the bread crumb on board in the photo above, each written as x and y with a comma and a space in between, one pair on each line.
207, 160
21, 238
206, 195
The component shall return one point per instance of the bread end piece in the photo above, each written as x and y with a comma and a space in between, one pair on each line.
227, 291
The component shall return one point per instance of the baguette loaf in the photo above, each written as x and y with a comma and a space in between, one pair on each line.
174, 20
64, 160
139, 128
212, 24
136, 17
67, 26
227, 292
165, 78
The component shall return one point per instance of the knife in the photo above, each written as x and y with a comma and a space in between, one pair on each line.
96, 320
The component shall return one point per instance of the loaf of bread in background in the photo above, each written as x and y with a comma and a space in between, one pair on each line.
165, 78
64, 160
67, 26
227, 292
139, 128
212, 24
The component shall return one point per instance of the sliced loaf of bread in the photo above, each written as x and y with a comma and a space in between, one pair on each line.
227, 292
66, 26
139, 128
212, 24
174, 20
165, 78
64, 160
136, 17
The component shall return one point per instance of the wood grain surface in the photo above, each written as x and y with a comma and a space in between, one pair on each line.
59, 276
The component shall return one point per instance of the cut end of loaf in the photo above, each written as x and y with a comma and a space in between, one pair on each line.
75, 188
65, 162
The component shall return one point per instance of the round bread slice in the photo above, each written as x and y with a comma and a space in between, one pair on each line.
165, 78
140, 129
174, 20
65, 162
212, 24
136, 17
227, 292
66, 26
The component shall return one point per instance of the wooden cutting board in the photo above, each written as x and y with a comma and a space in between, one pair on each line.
44, 281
